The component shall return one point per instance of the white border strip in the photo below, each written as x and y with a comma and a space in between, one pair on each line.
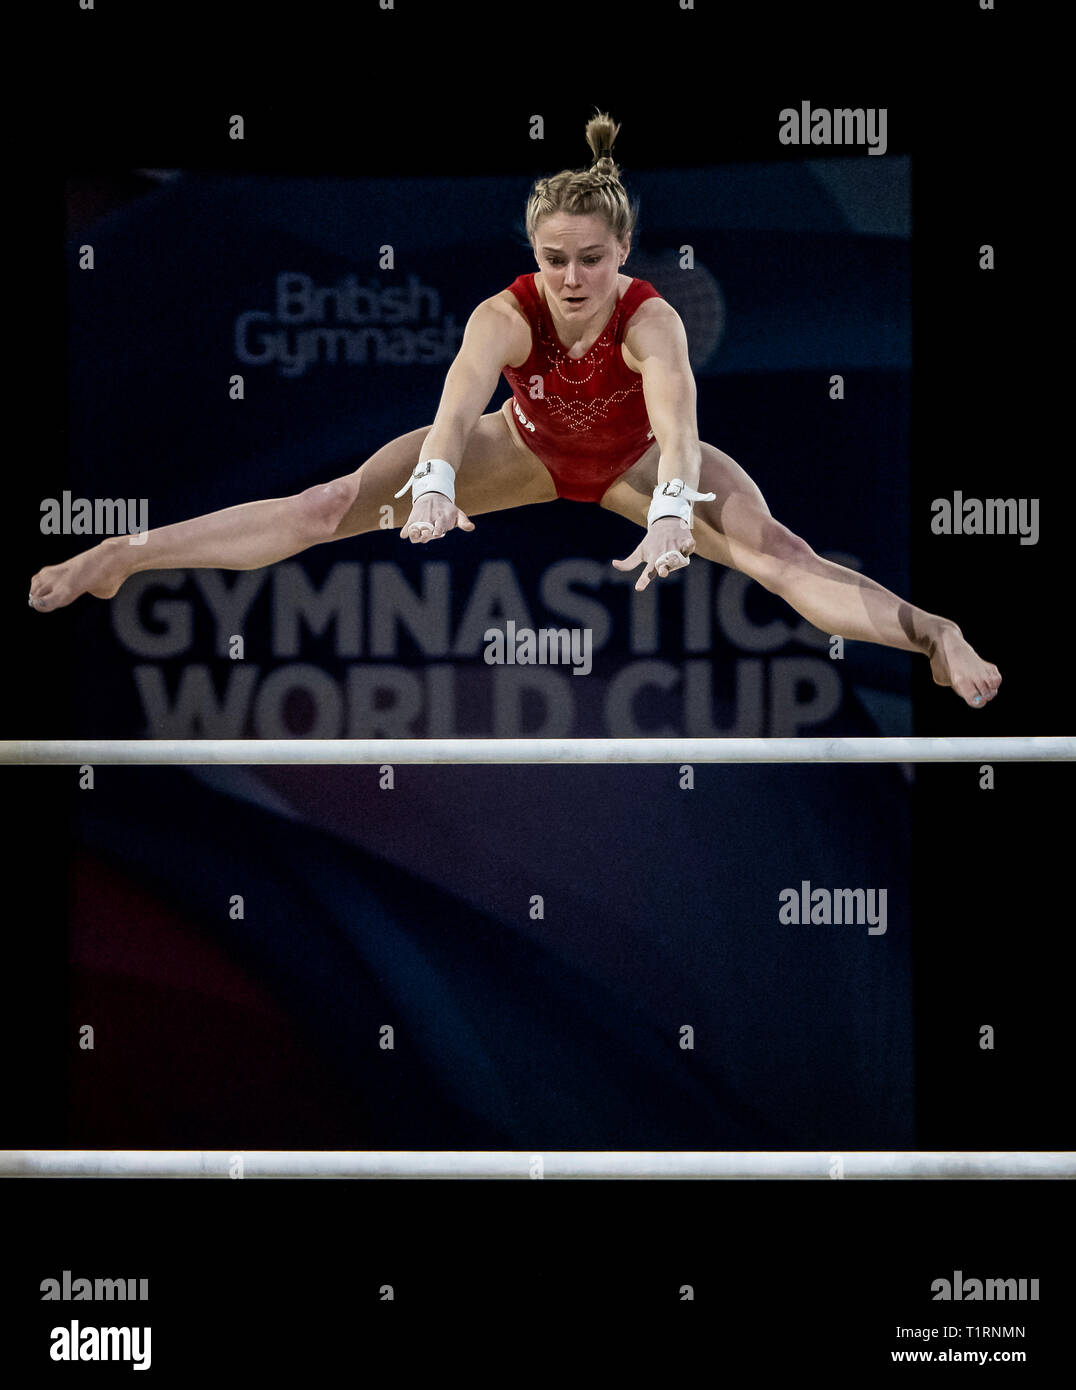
318, 1163
538, 750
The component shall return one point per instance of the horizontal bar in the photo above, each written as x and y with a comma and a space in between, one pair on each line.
189, 752
318, 1163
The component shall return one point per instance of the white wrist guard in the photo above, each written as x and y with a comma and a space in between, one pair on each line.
434, 475
674, 499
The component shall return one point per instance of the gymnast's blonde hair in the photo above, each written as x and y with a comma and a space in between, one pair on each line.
597, 190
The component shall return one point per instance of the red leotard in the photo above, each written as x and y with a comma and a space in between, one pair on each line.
589, 424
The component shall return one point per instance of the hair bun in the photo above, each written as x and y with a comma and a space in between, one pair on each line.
601, 132
593, 191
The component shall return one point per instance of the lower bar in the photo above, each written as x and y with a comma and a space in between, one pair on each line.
538, 750
288, 1163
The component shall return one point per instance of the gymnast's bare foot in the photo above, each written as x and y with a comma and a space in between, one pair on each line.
955, 662
99, 571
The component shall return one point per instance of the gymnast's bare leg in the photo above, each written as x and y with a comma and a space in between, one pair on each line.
497, 472
737, 530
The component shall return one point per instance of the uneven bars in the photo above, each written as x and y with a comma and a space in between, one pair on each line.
317, 1163
193, 752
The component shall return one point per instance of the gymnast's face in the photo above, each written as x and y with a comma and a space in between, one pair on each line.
579, 259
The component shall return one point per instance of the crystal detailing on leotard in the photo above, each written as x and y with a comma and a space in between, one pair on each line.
602, 349
585, 416
581, 416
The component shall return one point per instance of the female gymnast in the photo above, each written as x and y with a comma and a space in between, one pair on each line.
602, 410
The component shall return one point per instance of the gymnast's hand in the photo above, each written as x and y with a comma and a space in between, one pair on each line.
664, 549
431, 517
